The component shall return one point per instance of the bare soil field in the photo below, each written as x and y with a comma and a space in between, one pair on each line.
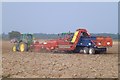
59, 65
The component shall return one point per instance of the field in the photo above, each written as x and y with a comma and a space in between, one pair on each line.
59, 65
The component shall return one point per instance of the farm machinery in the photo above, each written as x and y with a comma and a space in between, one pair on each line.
80, 41
23, 43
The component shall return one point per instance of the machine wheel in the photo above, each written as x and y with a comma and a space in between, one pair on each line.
91, 51
86, 50
14, 48
77, 50
105, 52
22, 47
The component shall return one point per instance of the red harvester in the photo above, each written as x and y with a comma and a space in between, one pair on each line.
81, 41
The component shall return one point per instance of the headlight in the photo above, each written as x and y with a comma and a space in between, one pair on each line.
108, 43
99, 43
45, 43
52, 47
89, 43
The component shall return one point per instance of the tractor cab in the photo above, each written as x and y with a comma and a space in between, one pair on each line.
27, 38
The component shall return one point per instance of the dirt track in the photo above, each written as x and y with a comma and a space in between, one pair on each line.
55, 65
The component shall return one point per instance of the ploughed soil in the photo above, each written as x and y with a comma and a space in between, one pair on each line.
59, 65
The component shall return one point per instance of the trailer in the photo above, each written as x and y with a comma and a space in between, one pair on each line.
80, 42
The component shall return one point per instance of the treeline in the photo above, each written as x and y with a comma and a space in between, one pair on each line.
114, 36
10, 35
45, 36
51, 36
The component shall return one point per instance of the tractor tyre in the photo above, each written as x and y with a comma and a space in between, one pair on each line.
85, 50
91, 51
14, 48
23, 47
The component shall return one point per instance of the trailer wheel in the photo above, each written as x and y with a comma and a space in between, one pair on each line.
77, 50
91, 51
86, 50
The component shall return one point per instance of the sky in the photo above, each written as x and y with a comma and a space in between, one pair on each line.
60, 0
56, 17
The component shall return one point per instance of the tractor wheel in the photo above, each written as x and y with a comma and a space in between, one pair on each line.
91, 51
86, 50
14, 48
22, 47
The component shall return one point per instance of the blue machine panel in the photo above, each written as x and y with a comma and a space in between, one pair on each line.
86, 41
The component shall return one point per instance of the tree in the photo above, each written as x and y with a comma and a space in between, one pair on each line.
14, 34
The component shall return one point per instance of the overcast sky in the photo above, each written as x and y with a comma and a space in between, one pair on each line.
55, 17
